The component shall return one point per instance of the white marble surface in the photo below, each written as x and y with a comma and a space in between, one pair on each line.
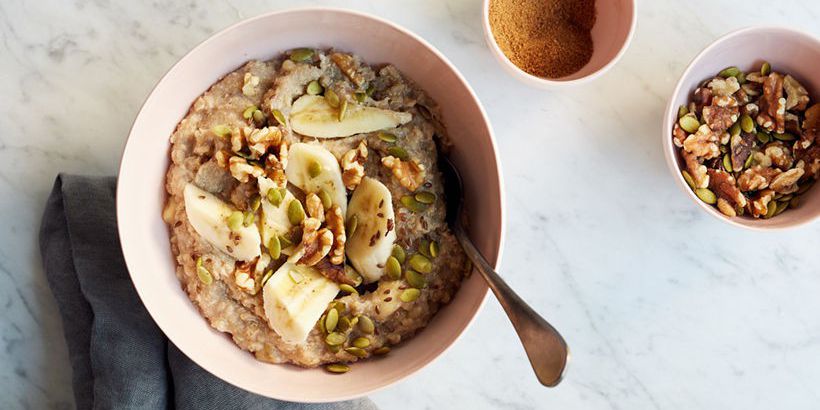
663, 306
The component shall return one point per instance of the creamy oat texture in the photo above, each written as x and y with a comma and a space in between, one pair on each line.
238, 143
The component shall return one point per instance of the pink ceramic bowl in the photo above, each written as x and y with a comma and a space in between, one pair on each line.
788, 51
611, 35
140, 195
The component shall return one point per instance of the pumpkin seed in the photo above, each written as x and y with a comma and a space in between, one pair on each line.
706, 195
785, 136
729, 72
804, 188
688, 179
295, 277
321, 323
382, 351
332, 98
392, 268
198, 261
280, 118
235, 220
689, 123
748, 161
267, 276
285, 242
741, 78
746, 123
682, 110
772, 208
727, 163
795, 202
420, 263
434, 249
763, 137
352, 224
337, 368
353, 275
424, 247
355, 351
415, 279
275, 247
314, 88
781, 206
766, 68
410, 295
361, 342
734, 130
425, 197
342, 109
398, 253
274, 196
255, 202
247, 218
325, 198
248, 113
360, 97
331, 320
387, 137
785, 198
399, 153
410, 203
301, 54
221, 130
204, 275
258, 117
314, 169
335, 349
344, 324
344, 287
295, 212
339, 305
366, 325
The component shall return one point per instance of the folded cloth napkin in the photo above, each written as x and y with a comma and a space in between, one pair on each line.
119, 356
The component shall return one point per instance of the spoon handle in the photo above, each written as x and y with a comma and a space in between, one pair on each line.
546, 349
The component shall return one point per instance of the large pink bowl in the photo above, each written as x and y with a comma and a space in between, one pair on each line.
140, 195
788, 51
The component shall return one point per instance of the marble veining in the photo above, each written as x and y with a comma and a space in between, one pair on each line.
663, 306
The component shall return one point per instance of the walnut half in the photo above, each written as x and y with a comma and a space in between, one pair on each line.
409, 173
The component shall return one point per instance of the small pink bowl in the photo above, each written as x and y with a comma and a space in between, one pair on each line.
788, 51
611, 35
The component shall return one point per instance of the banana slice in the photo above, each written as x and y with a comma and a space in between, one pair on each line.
372, 241
295, 298
312, 116
312, 167
208, 215
275, 219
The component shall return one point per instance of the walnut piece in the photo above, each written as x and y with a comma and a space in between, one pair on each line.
243, 279
723, 185
242, 171
410, 173
786, 182
756, 178
314, 207
724, 86
702, 143
678, 135
758, 205
741, 146
772, 105
316, 243
336, 225
697, 170
726, 208
261, 139
353, 165
249, 85
721, 114
779, 155
797, 98
347, 64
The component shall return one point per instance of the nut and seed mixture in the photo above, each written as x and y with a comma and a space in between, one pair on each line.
747, 142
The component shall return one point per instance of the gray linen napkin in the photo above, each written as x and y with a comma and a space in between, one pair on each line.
119, 356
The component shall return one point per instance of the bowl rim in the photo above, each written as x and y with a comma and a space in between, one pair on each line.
671, 154
502, 202
546, 82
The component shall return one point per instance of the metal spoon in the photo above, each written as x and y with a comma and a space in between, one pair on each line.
546, 349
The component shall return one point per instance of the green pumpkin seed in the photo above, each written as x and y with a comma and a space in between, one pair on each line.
256, 200
325, 198
387, 137
706, 195
729, 72
265, 277
352, 224
221, 130
398, 253
420, 263
746, 123
410, 203
415, 279
331, 320
235, 220
741, 78
763, 137
274, 196
781, 206
342, 109
361, 342
688, 179
392, 268
204, 275
247, 218
314, 88
314, 169
689, 123
802, 190
332, 98
354, 276
425, 197
280, 118
274, 247
727, 163
366, 325
766, 68
344, 324
355, 351
337, 368
399, 153
748, 161
795, 202
682, 110
424, 247
248, 113
382, 351
321, 323
344, 287
360, 97
300, 55
734, 130
410, 295
295, 212
339, 305
772, 208
285, 242
335, 349
785, 136
258, 117
434, 249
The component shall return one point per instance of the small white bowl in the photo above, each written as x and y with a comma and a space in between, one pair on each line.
611, 35
788, 51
